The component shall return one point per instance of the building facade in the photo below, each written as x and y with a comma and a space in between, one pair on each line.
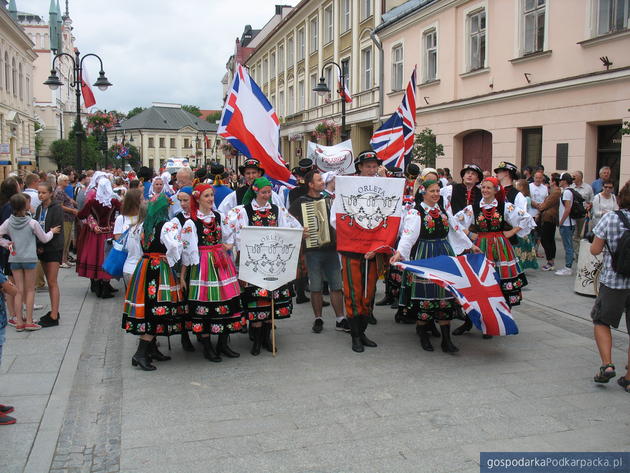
55, 110
289, 60
526, 81
165, 131
17, 124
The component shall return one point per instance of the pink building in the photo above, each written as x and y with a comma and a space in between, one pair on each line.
526, 81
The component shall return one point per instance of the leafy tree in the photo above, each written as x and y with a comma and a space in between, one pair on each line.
426, 149
625, 130
135, 111
133, 158
213, 117
38, 139
61, 152
192, 109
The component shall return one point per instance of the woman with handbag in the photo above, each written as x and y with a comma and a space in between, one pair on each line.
100, 213
209, 276
126, 230
153, 302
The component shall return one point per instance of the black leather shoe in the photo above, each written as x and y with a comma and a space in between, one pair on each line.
434, 330
109, 286
102, 290
223, 347
186, 343
209, 352
447, 345
486, 337
256, 333
425, 341
355, 332
387, 300
463, 328
266, 338
366, 341
93, 285
371, 319
156, 354
141, 357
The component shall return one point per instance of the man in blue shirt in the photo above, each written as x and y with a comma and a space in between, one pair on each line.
604, 176
219, 180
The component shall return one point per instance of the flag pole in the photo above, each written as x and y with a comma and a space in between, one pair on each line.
273, 326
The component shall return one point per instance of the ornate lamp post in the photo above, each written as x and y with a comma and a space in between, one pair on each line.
77, 65
322, 89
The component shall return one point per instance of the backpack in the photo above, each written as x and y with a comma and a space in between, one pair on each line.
577, 206
621, 256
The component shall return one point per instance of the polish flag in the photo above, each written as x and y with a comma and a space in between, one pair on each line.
86, 91
344, 91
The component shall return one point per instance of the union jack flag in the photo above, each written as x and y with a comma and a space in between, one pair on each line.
393, 141
474, 282
251, 125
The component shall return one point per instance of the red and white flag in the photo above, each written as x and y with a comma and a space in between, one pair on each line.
86, 91
367, 212
344, 91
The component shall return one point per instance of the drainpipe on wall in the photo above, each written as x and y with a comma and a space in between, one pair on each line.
381, 73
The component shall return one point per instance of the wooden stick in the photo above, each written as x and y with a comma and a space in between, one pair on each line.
273, 326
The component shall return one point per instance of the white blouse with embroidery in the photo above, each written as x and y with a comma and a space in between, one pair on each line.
190, 240
237, 218
512, 214
169, 236
412, 224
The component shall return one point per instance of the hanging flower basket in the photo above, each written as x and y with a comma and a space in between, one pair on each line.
326, 131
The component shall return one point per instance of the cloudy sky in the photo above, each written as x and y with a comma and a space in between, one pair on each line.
159, 50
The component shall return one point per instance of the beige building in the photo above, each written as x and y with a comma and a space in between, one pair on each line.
55, 110
17, 129
526, 81
164, 131
288, 61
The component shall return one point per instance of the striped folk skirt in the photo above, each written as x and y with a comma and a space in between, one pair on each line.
213, 294
426, 300
359, 284
153, 302
500, 251
257, 303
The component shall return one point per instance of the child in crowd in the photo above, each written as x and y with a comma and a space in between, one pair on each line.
9, 289
23, 257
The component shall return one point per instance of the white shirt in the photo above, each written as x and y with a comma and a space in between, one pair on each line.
35, 202
230, 202
566, 195
538, 194
585, 190
122, 223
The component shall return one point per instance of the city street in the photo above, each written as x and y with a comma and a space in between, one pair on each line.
316, 407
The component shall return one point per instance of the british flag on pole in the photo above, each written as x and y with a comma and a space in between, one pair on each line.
393, 141
473, 281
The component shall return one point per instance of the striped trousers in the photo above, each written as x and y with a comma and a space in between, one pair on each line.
358, 297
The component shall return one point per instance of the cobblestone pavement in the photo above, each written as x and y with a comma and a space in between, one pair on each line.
316, 407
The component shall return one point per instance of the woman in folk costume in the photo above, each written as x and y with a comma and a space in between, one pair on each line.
100, 214
153, 303
184, 196
158, 186
428, 232
492, 222
258, 211
209, 276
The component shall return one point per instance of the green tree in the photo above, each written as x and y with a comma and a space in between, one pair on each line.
192, 109
135, 111
62, 152
213, 117
426, 148
38, 139
132, 159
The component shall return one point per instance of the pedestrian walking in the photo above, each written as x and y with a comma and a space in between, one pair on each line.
566, 223
612, 237
70, 212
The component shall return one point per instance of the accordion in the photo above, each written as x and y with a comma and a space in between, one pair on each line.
315, 216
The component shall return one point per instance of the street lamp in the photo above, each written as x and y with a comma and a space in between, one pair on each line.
322, 89
54, 83
205, 157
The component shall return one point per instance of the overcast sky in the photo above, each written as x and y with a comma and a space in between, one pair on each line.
159, 50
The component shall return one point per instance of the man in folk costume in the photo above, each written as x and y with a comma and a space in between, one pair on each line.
458, 196
359, 272
322, 261
250, 170
411, 174
507, 173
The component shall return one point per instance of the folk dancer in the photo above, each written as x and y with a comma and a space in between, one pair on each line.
153, 303
359, 272
209, 277
322, 262
258, 211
